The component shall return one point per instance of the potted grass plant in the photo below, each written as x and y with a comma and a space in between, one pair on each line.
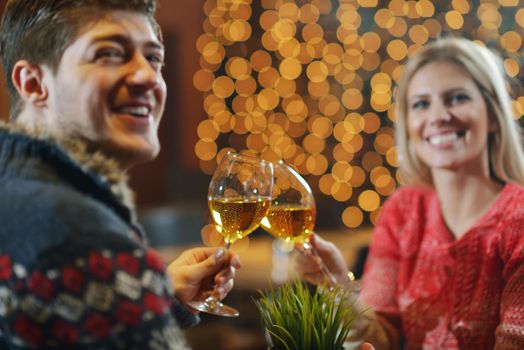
295, 318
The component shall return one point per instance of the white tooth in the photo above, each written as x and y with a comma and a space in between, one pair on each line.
135, 110
443, 138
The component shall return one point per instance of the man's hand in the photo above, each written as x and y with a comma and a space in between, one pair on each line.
196, 272
309, 265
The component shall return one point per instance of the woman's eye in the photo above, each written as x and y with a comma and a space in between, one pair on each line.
420, 104
457, 99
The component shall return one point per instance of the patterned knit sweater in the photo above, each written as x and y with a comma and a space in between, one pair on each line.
75, 272
439, 292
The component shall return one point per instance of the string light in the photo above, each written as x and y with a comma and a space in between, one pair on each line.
312, 82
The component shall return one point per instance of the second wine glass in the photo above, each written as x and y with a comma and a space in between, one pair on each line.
292, 213
239, 197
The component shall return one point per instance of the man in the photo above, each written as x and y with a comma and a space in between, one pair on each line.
86, 97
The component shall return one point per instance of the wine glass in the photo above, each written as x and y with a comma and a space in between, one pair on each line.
292, 213
238, 198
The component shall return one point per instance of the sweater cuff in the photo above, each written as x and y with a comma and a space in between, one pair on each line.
183, 316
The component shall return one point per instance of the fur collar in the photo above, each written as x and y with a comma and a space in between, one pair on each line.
96, 163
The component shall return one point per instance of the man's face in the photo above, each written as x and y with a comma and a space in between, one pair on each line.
108, 89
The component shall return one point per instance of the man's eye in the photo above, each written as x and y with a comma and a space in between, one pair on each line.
156, 61
420, 104
111, 55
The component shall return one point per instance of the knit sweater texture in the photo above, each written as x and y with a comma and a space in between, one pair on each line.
75, 271
439, 292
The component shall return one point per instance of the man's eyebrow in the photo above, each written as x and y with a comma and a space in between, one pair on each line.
125, 40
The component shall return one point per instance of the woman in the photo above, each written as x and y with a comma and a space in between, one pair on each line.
446, 264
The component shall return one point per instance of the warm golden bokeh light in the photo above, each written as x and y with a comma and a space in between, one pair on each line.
309, 13
290, 68
512, 67
454, 19
208, 130
419, 34
268, 77
317, 71
511, 41
369, 200
461, 6
246, 87
313, 82
203, 80
223, 86
352, 217
425, 8
384, 18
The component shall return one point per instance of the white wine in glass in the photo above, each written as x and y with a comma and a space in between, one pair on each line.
235, 218
239, 197
292, 213
294, 223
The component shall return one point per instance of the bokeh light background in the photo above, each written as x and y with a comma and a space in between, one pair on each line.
312, 82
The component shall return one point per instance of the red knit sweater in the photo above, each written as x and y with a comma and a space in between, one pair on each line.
445, 293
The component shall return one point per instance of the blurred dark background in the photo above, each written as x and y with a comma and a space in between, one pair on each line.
171, 191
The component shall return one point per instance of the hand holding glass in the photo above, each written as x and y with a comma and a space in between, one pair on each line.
238, 198
292, 213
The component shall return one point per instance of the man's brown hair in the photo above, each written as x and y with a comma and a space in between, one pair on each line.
39, 31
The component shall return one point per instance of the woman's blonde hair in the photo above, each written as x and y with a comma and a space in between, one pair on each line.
485, 68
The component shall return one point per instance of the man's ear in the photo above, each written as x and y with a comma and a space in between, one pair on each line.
28, 81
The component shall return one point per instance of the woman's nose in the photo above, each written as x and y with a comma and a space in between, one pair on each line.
439, 114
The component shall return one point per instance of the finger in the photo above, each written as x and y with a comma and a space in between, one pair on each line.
304, 257
222, 291
210, 265
303, 270
228, 286
220, 256
331, 257
235, 261
314, 279
310, 262
195, 255
367, 346
225, 275
323, 247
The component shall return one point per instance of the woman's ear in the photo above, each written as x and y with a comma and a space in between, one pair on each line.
493, 125
28, 81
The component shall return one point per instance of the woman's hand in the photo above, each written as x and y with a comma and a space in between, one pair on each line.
309, 265
197, 271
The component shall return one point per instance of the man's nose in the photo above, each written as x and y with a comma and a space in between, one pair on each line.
142, 74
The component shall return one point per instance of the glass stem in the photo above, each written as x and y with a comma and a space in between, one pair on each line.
308, 249
213, 299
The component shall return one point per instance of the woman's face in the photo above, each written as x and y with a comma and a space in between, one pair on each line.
447, 118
